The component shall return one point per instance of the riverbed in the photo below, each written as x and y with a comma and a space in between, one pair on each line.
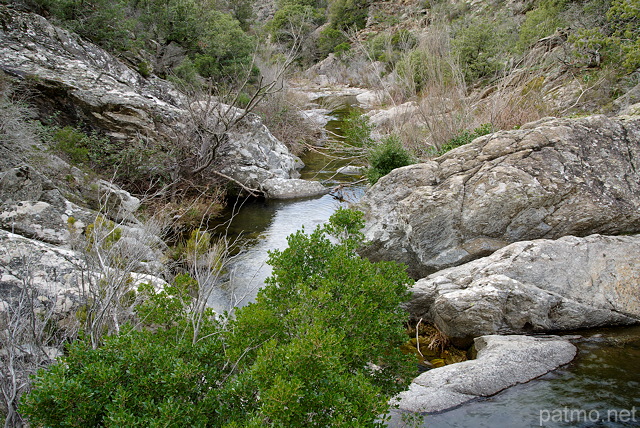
600, 388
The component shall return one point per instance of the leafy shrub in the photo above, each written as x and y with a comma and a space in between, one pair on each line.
464, 137
540, 22
385, 157
73, 143
294, 18
389, 47
319, 347
616, 42
348, 14
479, 45
105, 22
329, 39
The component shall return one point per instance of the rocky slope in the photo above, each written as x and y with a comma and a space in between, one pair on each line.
81, 83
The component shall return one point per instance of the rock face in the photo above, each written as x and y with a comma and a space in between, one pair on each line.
549, 179
59, 274
536, 286
502, 361
89, 85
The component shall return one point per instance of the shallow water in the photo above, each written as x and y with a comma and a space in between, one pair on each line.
600, 388
263, 225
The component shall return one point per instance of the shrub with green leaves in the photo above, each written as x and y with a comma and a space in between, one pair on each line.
385, 157
615, 43
540, 22
464, 137
319, 347
479, 45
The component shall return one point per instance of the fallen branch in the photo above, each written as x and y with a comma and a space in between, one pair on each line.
253, 192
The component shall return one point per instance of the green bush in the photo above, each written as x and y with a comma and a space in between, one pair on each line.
479, 46
318, 347
105, 22
389, 47
385, 157
329, 39
348, 14
615, 43
73, 143
294, 18
464, 137
540, 22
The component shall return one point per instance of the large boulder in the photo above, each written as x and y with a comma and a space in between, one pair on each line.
536, 286
81, 83
549, 179
502, 362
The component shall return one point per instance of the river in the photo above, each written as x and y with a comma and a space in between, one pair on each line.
600, 388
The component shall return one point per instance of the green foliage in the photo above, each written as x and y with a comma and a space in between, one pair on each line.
325, 317
294, 20
348, 14
624, 18
133, 164
390, 47
479, 45
615, 43
213, 39
106, 22
385, 157
356, 129
464, 137
319, 347
73, 143
102, 232
137, 379
540, 22
329, 39
418, 67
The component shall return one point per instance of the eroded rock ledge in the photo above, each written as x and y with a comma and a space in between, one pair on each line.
536, 286
83, 83
549, 179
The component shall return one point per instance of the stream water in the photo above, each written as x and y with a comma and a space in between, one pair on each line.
259, 226
600, 388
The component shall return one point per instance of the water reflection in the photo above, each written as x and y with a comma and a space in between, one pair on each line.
266, 225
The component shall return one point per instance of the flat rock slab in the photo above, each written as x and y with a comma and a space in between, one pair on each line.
280, 188
502, 362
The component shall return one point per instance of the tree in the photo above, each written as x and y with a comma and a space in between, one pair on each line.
318, 347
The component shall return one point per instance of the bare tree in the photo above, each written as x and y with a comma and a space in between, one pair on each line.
213, 110
28, 339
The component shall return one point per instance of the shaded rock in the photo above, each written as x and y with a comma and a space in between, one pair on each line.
84, 84
536, 286
549, 179
279, 188
502, 362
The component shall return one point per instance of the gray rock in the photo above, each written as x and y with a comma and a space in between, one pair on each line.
59, 274
502, 362
536, 286
279, 188
351, 170
549, 179
86, 84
